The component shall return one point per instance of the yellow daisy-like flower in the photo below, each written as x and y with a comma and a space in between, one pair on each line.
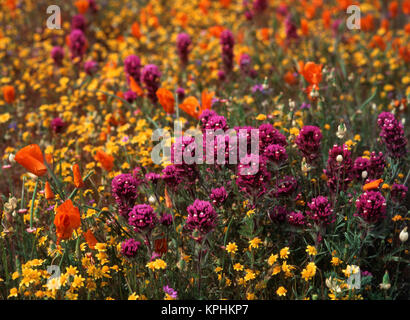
13, 293
311, 250
218, 269
238, 267
232, 247
284, 253
276, 269
309, 272
336, 261
250, 275
281, 292
157, 264
272, 259
254, 243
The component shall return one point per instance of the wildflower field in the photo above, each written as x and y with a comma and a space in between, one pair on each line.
204, 149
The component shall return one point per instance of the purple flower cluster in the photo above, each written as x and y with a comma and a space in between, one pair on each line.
308, 142
296, 219
129, 248
377, 165
90, 67
166, 219
361, 168
285, 186
321, 211
253, 177
260, 6
218, 195
57, 54
392, 134
245, 64
398, 192
78, 43
143, 218
58, 125
78, 22
371, 206
171, 292
268, 135
278, 214
183, 43
151, 77
130, 96
291, 29
132, 66
339, 168
275, 153
124, 189
227, 42
201, 217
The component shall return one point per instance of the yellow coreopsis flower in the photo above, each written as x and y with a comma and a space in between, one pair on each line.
238, 267
281, 292
272, 259
309, 272
311, 250
254, 243
284, 253
232, 247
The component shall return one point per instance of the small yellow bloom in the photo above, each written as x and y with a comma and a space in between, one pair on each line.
232, 247
261, 117
311, 250
13, 293
284, 253
336, 261
281, 292
254, 243
272, 259
238, 267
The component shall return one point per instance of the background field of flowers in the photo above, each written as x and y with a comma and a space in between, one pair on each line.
86, 214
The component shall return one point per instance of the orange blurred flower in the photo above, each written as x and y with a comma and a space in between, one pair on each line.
90, 238
312, 73
225, 3
78, 180
304, 27
135, 87
406, 6
192, 107
135, 30
372, 185
9, 94
378, 42
166, 100
66, 220
326, 17
168, 201
290, 78
49, 194
31, 158
106, 160
206, 99
265, 34
367, 23
82, 6
394, 8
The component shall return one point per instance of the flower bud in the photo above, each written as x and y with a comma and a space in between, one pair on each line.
339, 158
404, 235
364, 174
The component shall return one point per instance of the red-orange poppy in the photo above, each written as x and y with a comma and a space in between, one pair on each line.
304, 27
9, 94
367, 23
191, 106
31, 158
135, 30
66, 220
82, 6
378, 42
78, 180
265, 34
49, 194
312, 73
394, 8
204, 5
225, 3
406, 6
372, 185
166, 100
90, 238
106, 160
168, 201
206, 99
216, 31
289, 78
404, 53
135, 87
326, 18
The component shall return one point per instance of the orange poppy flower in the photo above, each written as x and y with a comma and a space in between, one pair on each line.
326, 18
404, 53
216, 31
304, 27
367, 23
191, 106
264, 34
407, 28
31, 158
135, 30
82, 6
378, 42
206, 99
406, 6
90, 238
161, 245
66, 220
135, 87
9, 94
289, 78
166, 100
384, 24
78, 180
312, 73
225, 3
372, 185
49, 194
11, 4
204, 5
168, 202
106, 160
393, 9
49, 158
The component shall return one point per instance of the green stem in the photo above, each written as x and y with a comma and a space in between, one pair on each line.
32, 204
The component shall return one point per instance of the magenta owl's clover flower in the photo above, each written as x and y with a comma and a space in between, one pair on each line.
291, 29
259, 6
321, 211
78, 44
275, 153
124, 189
308, 142
57, 54
130, 96
58, 125
129, 248
392, 134
166, 219
218, 195
183, 47
278, 214
201, 218
143, 218
132, 66
151, 77
296, 219
339, 168
268, 135
371, 206
78, 22
398, 192
285, 186
361, 168
205, 116
90, 67
377, 165
253, 176
181, 94
227, 42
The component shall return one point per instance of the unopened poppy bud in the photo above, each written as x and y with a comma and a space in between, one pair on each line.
404, 235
